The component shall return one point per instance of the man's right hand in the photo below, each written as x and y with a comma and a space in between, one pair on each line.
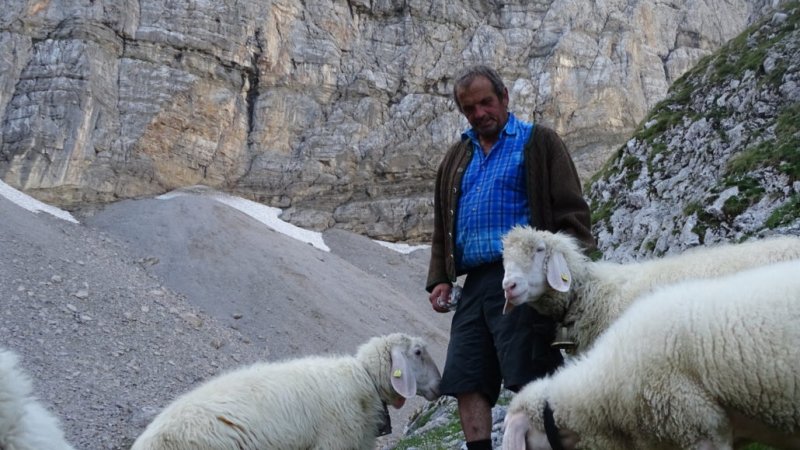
439, 296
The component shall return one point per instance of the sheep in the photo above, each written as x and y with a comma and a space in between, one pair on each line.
550, 272
316, 402
675, 372
24, 423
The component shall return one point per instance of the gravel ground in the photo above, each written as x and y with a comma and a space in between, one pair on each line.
140, 301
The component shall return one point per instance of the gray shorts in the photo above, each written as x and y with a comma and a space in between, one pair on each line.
488, 349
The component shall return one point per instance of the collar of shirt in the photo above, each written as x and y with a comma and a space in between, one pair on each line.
510, 129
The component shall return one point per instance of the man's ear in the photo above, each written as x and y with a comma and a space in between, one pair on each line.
504, 100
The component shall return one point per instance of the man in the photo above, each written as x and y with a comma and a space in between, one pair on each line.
503, 172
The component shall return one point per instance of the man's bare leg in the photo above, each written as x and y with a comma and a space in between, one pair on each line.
476, 416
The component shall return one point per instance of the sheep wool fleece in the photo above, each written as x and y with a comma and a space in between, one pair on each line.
312, 403
24, 422
601, 291
680, 371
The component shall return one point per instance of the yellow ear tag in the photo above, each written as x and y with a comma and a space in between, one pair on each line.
397, 373
564, 277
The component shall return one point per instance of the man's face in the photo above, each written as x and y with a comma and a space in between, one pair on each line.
483, 109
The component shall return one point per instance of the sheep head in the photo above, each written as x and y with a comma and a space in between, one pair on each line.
409, 366
536, 262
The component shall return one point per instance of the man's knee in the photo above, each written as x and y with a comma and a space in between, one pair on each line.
473, 399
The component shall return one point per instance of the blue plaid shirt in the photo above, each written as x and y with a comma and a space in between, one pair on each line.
493, 195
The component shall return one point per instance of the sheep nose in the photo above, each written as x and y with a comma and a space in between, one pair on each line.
508, 290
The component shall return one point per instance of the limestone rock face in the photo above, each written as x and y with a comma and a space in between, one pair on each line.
718, 160
337, 111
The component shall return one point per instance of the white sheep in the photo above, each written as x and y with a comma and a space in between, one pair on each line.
550, 272
323, 403
704, 365
24, 423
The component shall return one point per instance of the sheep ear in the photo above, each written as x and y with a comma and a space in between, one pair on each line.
558, 275
403, 380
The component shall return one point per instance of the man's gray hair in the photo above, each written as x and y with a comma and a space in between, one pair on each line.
466, 75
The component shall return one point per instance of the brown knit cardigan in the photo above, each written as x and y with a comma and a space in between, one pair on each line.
554, 195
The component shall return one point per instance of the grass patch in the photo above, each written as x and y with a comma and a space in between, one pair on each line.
423, 419
786, 214
602, 212
691, 208
434, 438
704, 219
607, 170
656, 149
595, 254
783, 152
750, 192
632, 167
666, 116
748, 51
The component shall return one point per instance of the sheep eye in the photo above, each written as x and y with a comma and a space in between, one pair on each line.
418, 352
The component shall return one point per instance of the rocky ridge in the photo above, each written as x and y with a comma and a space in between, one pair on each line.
718, 159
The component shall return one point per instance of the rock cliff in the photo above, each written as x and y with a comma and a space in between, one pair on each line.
336, 111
